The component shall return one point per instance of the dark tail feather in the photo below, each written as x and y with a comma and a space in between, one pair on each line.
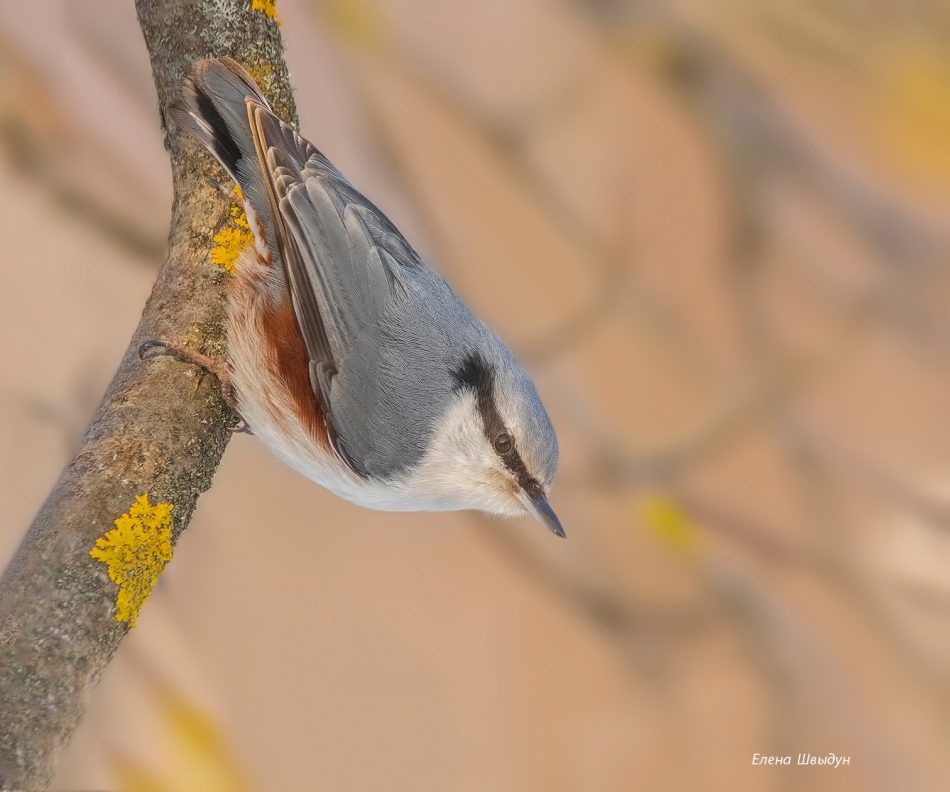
214, 106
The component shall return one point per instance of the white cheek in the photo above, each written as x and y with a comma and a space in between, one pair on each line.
460, 470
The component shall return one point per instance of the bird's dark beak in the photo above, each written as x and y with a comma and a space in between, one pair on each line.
538, 507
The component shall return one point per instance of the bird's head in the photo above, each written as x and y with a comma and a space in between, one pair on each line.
494, 448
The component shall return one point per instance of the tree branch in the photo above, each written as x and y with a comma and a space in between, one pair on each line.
159, 430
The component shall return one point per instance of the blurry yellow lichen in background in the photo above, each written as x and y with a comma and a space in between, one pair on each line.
912, 108
135, 552
887, 68
200, 760
132, 777
231, 240
668, 522
267, 8
358, 22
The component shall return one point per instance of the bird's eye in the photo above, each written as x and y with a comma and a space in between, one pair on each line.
502, 443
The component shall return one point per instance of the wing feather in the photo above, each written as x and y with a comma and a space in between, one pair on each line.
342, 258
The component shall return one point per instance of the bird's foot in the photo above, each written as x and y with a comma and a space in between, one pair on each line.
155, 347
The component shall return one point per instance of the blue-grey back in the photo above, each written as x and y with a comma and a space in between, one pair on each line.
396, 383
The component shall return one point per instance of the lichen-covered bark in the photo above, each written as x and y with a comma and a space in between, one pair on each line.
155, 432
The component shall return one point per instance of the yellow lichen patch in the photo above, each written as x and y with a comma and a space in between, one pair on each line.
231, 240
669, 523
267, 8
135, 552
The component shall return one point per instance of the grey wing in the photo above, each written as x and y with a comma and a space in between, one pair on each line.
281, 153
356, 284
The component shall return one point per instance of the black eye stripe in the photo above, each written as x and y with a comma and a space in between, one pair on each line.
476, 375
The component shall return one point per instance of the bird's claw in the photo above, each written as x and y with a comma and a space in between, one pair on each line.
155, 347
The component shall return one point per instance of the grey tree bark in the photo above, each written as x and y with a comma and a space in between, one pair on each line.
155, 432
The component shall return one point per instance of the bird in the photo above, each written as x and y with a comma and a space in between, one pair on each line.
347, 355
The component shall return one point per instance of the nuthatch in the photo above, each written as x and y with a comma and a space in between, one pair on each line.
353, 361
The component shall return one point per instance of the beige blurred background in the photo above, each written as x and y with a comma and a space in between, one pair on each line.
717, 234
